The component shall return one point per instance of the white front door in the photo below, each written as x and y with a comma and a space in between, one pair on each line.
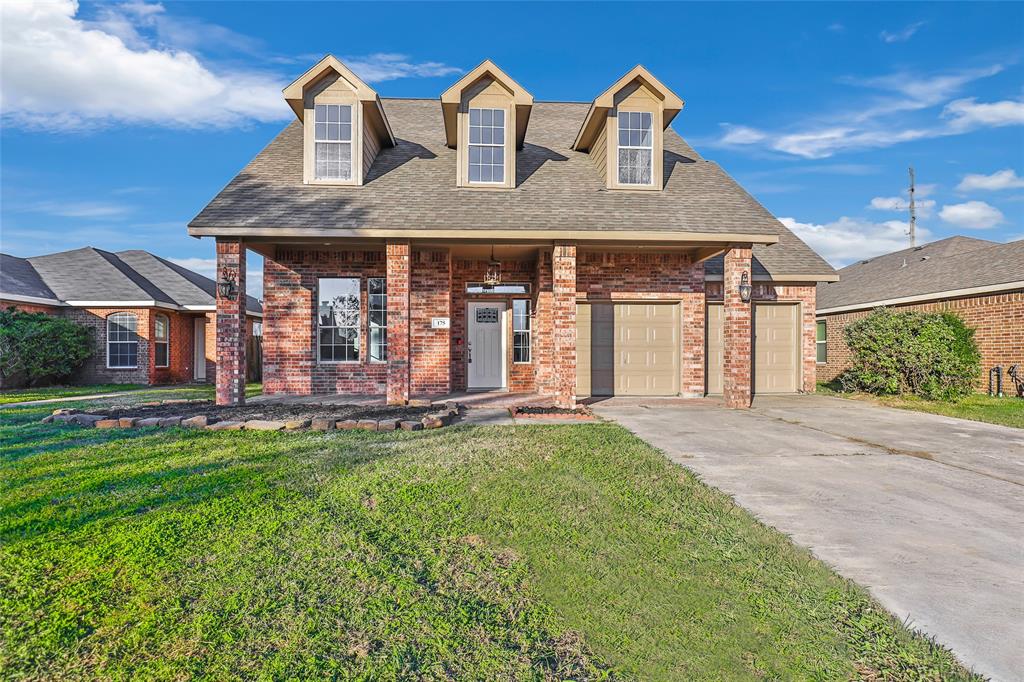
199, 349
487, 344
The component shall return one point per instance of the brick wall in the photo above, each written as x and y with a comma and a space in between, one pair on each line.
998, 320
231, 324
430, 349
95, 370
30, 307
736, 331
398, 290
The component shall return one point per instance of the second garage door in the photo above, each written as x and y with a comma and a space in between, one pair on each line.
627, 349
776, 348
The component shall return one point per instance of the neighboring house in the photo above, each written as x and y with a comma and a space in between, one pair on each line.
979, 280
485, 241
152, 322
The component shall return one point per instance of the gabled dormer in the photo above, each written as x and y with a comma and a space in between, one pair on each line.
485, 119
624, 131
343, 122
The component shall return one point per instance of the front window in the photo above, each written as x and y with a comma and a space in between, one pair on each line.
822, 342
520, 330
636, 148
338, 320
122, 341
378, 312
161, 339
487, 145
332, 139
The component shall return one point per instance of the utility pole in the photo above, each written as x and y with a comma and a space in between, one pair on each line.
913, 214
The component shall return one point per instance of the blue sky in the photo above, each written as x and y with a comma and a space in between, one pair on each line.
121, 120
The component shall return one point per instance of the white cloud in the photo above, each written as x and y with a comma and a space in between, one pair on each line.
385, 67
924, 207
847, 239
903, 34
968, 114
1003, 179
76, 209
741, 134
972, 215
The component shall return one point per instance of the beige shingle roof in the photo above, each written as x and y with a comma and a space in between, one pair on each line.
951, 264
413, 185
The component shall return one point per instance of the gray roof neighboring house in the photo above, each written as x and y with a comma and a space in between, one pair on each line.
957, 266
126, 278
412, 185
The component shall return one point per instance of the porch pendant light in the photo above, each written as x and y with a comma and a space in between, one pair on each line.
745, 288
492, 277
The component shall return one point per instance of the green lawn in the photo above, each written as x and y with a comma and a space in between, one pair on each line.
978, 407
47, 392
527, 552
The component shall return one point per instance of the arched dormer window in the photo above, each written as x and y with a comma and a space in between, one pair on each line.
624, 131
122, 341
485, 119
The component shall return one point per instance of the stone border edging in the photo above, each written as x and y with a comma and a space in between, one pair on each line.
578, 415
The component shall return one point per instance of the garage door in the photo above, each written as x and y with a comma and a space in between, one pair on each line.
776, 348
627, 349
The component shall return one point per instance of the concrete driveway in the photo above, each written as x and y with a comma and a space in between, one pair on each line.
925, 511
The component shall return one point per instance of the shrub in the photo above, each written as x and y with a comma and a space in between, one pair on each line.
930, 355
37, 349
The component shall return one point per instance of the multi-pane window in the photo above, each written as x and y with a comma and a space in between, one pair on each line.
122, 341
161, 340
636, 148
822, 341
377, 309
520, 330
487, 145
332, 141
338, 319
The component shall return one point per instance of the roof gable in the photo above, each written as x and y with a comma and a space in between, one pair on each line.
451, 100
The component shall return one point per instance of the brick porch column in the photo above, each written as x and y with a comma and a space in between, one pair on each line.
563, 275
231, 324
399, 284
736, 331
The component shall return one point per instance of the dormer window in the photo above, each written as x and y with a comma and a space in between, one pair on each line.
333, 141
487, 145
344, 126
636, 147
623, 131
485, 119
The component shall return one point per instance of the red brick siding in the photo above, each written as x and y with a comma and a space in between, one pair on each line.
737, 383
998, 320
231, 325
398, 289
289, 323
563, 309
30, 307
431, 363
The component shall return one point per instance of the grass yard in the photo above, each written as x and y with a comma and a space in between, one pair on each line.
978, 407
540, 552
145, 392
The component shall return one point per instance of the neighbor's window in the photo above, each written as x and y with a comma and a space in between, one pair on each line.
161, 339
822, 342
520, 330
332, 139
122, 341
378, 313
338, 320
636, 148
487, 145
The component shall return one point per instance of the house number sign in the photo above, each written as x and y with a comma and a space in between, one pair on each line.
440, 323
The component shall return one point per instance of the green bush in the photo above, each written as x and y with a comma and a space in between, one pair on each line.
930, 355
38, 349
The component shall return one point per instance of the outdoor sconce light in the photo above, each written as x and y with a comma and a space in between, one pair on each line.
745, 288
492, 277
227, 287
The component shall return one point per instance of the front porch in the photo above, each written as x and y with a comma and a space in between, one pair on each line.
400, 319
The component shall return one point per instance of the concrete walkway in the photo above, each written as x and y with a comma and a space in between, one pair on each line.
925, 511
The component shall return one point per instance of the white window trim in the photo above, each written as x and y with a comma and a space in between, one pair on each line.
528, 332
136, 342
359, 340
166, 342
470, 145
350, 142
619, 146
370, 325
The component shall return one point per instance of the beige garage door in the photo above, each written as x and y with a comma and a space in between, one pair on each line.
627, 349
776, 348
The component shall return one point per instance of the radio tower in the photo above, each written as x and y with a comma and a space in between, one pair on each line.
913, 214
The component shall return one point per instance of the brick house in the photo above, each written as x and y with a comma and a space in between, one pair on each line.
979, 280
487, 241
152, 322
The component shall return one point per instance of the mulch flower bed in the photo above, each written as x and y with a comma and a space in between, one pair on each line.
582, 414
264, 416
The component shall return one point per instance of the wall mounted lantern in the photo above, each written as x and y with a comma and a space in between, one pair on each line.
227, 287
745, 288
